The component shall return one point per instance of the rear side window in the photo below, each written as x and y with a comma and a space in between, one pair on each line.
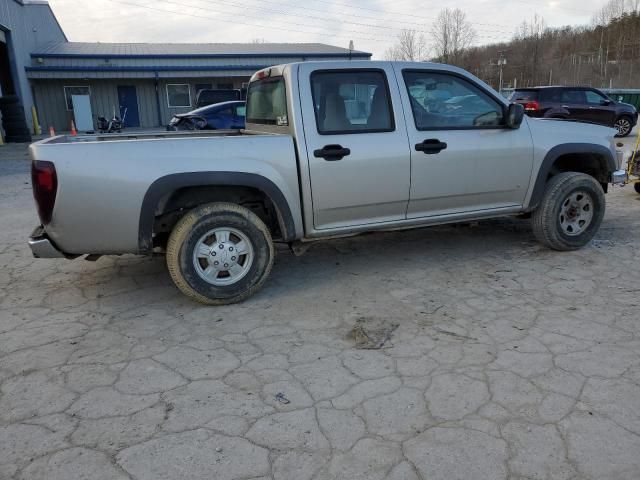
354, 101
553, 95
524, 96
267, 102
573, 96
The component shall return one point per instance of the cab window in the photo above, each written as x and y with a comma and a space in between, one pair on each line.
355, 101
267, 102
594, 98
445, 101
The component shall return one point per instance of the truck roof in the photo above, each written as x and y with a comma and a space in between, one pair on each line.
278, 70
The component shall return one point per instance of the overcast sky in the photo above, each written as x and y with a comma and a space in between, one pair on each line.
372, 25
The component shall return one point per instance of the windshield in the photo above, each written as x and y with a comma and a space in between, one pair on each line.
267, 102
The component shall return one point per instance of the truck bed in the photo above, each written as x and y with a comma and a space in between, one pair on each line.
102, 180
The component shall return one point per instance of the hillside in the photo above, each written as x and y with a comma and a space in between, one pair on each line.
606, 54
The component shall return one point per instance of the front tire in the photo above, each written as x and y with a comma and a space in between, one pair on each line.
636, 187
570, 213
220, 253
623, 125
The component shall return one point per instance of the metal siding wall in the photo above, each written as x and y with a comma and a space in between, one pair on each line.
49, 96
104, 97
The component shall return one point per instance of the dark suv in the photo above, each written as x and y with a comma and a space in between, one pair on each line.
577, 103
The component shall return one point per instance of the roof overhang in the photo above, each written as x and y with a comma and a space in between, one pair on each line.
53, 72
202, 55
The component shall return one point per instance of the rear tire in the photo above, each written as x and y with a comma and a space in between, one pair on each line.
636, 187
228, 235
570, 213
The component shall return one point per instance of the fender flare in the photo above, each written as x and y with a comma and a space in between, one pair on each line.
564, 149
170, 183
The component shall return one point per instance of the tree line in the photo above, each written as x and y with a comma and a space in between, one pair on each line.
604, 54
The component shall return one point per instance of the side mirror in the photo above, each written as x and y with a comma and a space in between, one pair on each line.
515, 114
605, 102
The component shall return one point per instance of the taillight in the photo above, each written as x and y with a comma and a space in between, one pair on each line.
45, 187
531, 106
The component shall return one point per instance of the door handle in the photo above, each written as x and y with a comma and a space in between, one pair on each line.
331, 153
431, 146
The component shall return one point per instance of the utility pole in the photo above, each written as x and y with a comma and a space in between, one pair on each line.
502, 61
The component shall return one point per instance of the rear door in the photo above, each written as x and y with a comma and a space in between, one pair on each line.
463, 158
356, 139
575, 102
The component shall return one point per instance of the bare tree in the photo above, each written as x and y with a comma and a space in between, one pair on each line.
531, 35
615, 9
451, 34
409, 47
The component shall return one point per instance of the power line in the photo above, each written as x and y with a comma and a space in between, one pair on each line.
356, 35
243, 7
306, 7
347, 33
568, 9
241, 22
390, 12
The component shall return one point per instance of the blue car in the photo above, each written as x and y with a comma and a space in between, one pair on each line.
219, 116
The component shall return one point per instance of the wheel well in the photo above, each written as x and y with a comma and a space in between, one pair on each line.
174, 205
590, 163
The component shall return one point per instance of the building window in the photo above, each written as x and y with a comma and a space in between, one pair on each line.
178, 95
225, 86
69, 91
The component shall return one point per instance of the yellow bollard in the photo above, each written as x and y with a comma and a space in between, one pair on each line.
36, 124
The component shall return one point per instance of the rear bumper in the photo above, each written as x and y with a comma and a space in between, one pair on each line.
42, 247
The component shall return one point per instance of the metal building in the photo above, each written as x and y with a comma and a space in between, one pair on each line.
25, 26
152, 81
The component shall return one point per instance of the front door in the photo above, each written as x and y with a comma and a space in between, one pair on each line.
463, 158
601, 109
128, 99
357, 147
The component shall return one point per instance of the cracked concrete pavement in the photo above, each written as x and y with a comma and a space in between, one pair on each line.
508, 361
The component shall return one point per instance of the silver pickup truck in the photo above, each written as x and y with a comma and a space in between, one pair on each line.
330, 149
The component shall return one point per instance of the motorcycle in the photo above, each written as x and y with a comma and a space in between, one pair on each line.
116, 124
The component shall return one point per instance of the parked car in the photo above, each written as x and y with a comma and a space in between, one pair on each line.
308, 168
220, 116
577, 103
210, 96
